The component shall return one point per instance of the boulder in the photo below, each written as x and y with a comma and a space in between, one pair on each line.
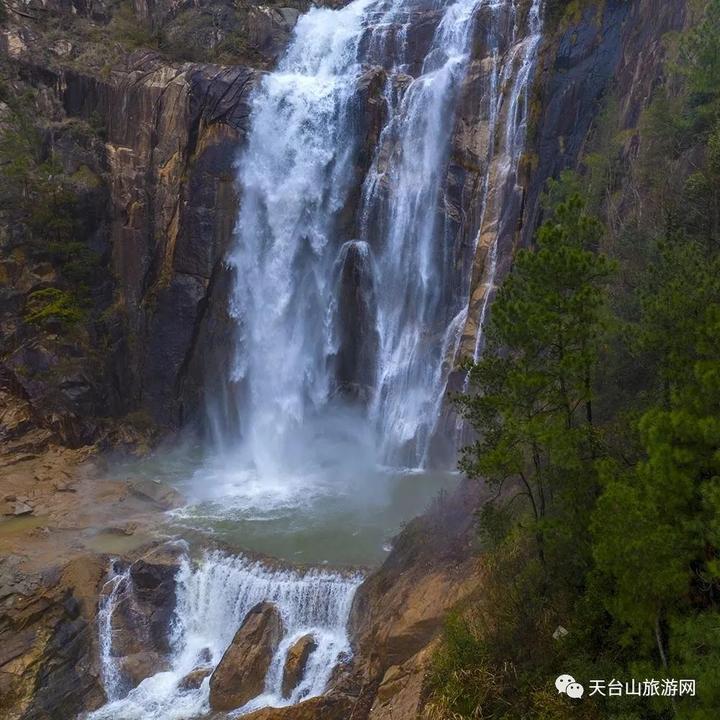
296, 662
16, 508
194, 679
141, 621
400, 695
240, 675
135, 668
166, 497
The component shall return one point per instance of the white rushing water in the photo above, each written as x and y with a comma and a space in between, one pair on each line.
213, 598
517, 74
349, 295
114, 587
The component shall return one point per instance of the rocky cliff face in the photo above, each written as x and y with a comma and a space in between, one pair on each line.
612, 47
172, 135
159, 201
47, 663
163, 201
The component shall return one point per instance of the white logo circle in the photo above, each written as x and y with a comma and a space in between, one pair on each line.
566, 685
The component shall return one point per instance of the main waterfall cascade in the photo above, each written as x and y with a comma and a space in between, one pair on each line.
378, 192
353, 274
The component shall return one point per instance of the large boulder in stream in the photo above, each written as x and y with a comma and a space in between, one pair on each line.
240, 675
296, 662
139, 666
144, 609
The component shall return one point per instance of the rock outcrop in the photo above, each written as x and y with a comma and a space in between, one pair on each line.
400, 609
331, 707
240, 675
195, 678
296, 662
401, 693
142, 616
357, 334
48, 666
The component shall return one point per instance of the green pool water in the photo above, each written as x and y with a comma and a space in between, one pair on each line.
320, 517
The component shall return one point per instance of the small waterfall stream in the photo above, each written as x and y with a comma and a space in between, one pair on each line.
213, 598
117, 582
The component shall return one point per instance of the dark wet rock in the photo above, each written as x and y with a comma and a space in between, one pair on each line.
144, 611
240, 675
356, 322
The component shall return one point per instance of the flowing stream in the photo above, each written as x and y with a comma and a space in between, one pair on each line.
362, 268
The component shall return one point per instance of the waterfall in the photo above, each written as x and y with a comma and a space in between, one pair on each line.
116, 583
213, 598
517, 73
345, 174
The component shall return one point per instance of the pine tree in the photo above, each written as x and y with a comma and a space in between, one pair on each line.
531, 399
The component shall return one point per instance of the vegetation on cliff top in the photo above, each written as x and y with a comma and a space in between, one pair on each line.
597, 410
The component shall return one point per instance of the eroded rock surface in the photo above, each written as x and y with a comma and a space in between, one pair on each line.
330, 707
401, 693
143, 613
240, 675
296, 662
48, 666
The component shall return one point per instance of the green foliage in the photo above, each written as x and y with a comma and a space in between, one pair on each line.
699, 62
130, 31
598, 424
53, 305
533, 386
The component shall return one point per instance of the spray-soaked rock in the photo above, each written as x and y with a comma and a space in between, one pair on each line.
296, 662
240, 676
135, 668
194, 679
356, 332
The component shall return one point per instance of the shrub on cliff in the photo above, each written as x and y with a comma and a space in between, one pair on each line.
52, 305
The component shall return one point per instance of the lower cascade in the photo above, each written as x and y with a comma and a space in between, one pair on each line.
213, 598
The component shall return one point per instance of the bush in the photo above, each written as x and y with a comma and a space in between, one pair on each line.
54, 305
